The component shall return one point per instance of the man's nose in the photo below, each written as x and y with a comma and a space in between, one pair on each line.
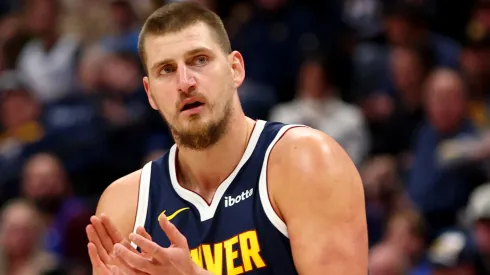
185, 80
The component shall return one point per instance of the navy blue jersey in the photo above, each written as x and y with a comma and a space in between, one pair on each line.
239, 232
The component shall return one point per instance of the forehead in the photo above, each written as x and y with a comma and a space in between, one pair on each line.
445, 83
176, 44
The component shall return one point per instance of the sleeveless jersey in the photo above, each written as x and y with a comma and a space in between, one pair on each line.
239, 232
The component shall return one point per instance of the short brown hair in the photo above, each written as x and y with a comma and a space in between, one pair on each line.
176, 16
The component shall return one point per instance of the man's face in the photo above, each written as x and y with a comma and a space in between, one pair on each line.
446, 103
192, 83
42, 16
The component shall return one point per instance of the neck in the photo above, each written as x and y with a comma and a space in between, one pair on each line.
203, 171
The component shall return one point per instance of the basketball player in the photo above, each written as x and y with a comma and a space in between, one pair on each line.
233, 195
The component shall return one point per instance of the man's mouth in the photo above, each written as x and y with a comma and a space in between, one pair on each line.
190, 103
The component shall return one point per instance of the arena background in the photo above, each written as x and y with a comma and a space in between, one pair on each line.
403, 86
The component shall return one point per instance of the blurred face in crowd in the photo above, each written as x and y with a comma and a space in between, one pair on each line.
397, 29
407, 73
445, 100
44, 181
475, 63
482, 235
18, 108
193, 83
399, 233
19, 230
42, 16
386, 260
122, 14
482, 15
312, 81
120, 74
9, 26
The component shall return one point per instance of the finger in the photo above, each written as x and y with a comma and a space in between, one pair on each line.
141, 231
173, 234
115, 234
105, 239
95, 240
133, 260
151, 249
111, 229
97, 263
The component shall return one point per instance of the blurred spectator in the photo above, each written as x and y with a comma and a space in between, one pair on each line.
123, 98
20, 114
478, 214
125, 28
47, 64
273, 36
364, 16
405, 24
452, 253
113, 84
384, 194
405, 235
395, 118
475, 61
387, 261
20, 231
12, 40
317, 105
408, 23
440, 190
45, 182
67, 127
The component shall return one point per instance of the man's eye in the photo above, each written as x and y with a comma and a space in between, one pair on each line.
167, 69
201, 60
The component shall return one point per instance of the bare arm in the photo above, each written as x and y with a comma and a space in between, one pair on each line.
317, 191
118, 203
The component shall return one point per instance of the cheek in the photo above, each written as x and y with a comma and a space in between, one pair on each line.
161, 99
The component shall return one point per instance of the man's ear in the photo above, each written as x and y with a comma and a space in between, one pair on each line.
238, 67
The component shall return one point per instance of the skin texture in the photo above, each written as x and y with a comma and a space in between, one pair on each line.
326, 223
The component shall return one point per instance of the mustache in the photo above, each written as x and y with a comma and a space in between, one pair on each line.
198, 96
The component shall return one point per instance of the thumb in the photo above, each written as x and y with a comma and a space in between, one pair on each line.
173, 234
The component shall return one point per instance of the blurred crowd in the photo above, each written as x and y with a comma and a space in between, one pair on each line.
402, 85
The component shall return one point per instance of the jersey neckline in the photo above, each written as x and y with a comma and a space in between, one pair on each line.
206, 210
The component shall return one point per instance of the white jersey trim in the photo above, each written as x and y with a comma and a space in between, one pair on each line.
143, 197
207, 211
264, 192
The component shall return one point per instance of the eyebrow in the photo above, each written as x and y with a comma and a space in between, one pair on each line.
187, 54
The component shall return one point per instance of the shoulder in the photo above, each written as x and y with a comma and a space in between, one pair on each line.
306, 148
327, 219
308, 157
123, 189
119, 201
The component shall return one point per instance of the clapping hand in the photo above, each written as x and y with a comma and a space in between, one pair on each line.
174, 260
103, 235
